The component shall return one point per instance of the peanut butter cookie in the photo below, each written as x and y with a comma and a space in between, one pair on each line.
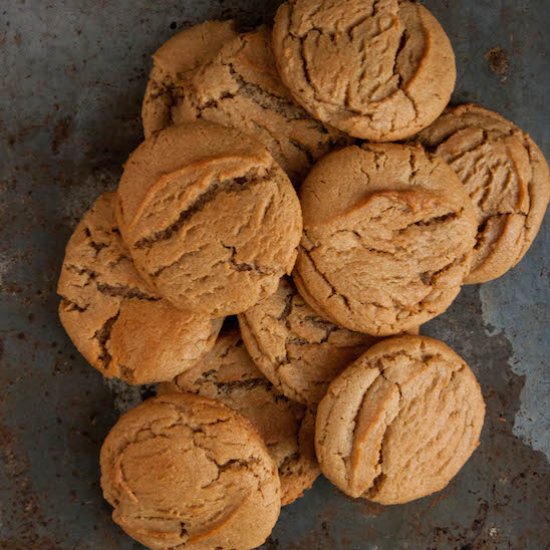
297, 349
122, 327
377, 69
183, 471
388, 237
506, 176
400, 422
211, 220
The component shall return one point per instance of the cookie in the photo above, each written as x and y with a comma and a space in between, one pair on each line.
240, 87
212, 222
183, 471
506, 176
123, 328
380, 70
388, 237
400, 422
299, 351
228, 374
172, 62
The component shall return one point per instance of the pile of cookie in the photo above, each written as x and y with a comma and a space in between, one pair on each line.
267, 188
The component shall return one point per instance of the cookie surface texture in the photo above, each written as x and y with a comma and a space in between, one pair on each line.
506, 176
400, 422
172, 62
228, 374
240, 87
122, 327
211, 221
388, 237
378, 69
297, 349
182, 471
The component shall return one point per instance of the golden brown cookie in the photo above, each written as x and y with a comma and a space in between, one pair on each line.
240, 87
183, 471
123, 328
388, 237
172, 62
377, 69
400, 422
298, 350
228, 374
506, 176
211, 220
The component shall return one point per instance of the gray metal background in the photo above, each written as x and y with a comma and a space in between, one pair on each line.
72, 74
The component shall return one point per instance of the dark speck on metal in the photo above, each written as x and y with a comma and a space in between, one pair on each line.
72, 74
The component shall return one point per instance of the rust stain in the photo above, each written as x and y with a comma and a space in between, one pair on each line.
24, 504
498, 60
61, 132
22, 134
373, 509
434, 501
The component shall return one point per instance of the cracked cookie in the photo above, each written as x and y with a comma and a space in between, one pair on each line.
172, 62
240, 87
388, 237
121, 326
183, 471
506, 176
400, 422
228, 374
299, 351
380, 69
211, 220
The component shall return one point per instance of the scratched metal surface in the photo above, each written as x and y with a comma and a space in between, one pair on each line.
72, 76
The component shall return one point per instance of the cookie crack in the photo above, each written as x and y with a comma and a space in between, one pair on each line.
430, 278
246, 266
70, 305
118, 290
333, 289
267, 100
378, 481
228, 387
124, 291
287, 310
216, 187
91, 275
103, 335
98, 247
435, 220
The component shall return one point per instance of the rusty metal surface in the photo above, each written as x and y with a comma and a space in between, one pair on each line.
72, 76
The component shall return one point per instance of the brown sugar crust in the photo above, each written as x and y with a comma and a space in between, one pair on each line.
122, 327
506, 176
211, 221
377, 69
388, 237
172, 62
400, 422
297, 349
228, 374
240, 87
186, 472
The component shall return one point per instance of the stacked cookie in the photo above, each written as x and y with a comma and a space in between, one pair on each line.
256, 194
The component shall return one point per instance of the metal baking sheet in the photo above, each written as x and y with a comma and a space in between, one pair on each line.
72, 75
